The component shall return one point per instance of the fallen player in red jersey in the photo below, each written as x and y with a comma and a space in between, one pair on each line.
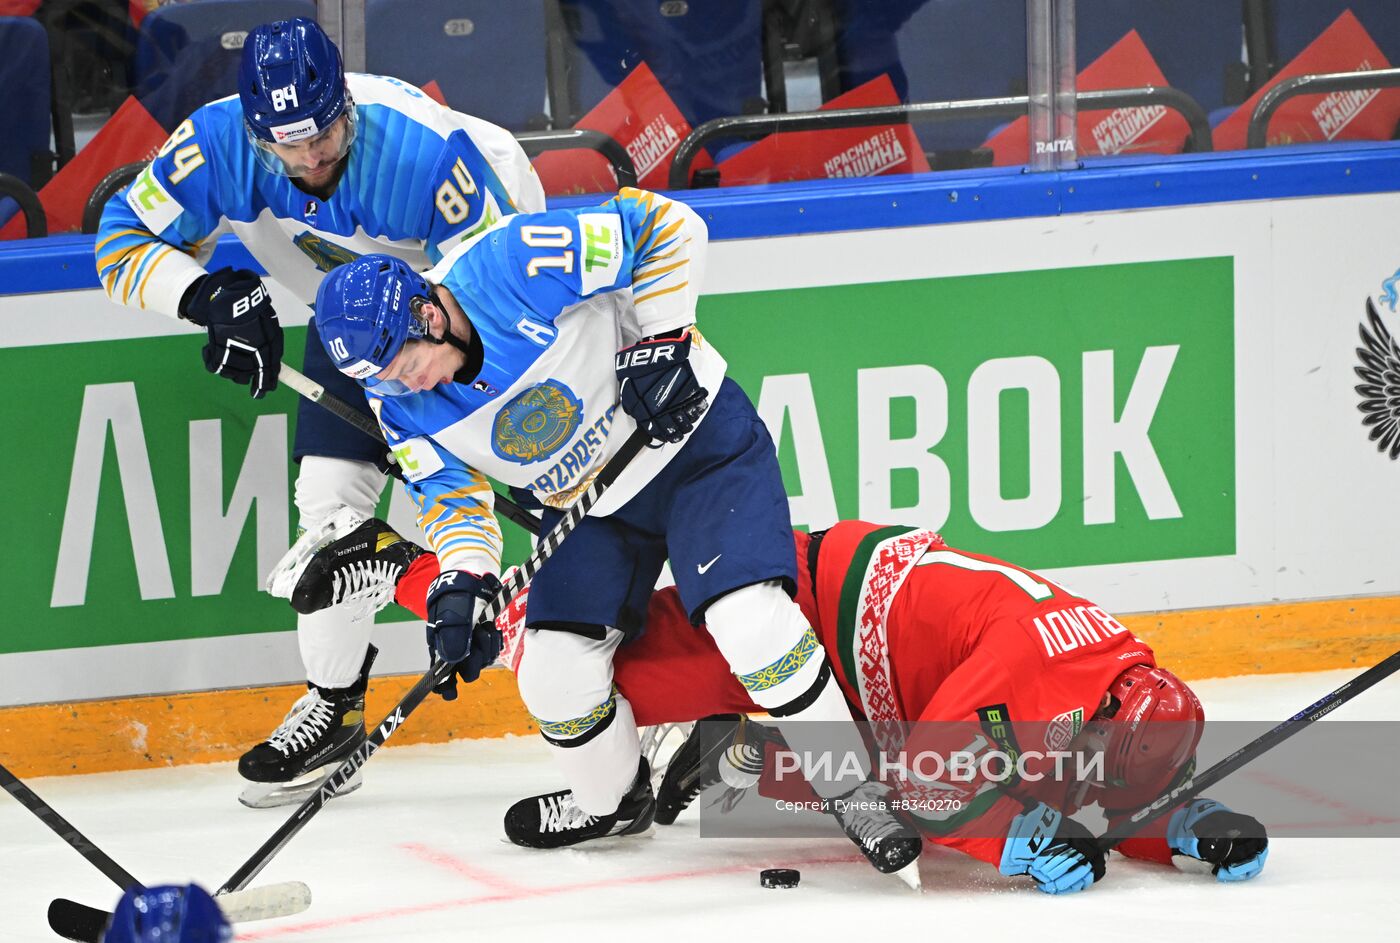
918, 631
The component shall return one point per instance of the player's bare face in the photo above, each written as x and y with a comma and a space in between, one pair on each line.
313, 161
422, 365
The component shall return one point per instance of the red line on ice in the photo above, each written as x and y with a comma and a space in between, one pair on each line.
456, 865
524, 893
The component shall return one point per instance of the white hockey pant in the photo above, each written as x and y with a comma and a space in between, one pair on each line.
779, 660
333, 642
566, 682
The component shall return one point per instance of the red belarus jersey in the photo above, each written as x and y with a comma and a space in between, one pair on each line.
920, 631
915, 631
962, 630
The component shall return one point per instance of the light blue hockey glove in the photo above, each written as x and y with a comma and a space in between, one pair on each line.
1059, 853
1235, 844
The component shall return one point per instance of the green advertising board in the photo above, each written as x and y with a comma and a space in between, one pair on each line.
1057, 418
1061, 417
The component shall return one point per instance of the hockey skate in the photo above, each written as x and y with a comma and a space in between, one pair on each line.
885, 838
349, 560
553, 820
727, 748
321, 730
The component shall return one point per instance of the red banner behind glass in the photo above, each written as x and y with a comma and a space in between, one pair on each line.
1148, 129
848, 152
1366, 115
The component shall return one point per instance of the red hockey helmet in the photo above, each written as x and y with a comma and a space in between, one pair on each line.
1148, 729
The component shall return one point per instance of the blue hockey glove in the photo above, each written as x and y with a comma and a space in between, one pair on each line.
454, 599
1235, 844
658, 389
1058, 852
245, 337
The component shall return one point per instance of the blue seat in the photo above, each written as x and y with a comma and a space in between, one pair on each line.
487, 56
1298, 22
26, 119
942, 50
707, 54
187, 54
1195, 42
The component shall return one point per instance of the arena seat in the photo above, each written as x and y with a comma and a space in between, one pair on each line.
707, 54
1296, 23
945, 50
26, 119
488, 57
1196, 43
187, 54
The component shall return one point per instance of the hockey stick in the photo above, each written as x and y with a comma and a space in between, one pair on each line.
65, 830
1248, 753
318, 394
74, 921
438, 672
79, 922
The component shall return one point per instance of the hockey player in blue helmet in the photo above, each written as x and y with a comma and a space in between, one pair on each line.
529, 355
169, 914
297, 110
310, 167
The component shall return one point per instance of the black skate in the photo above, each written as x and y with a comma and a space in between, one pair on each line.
885, 838
321, 730
727, 748
348, 560
553, 821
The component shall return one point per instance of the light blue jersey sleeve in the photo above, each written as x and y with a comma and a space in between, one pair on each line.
152, 230
551, 261
455, 502
468, 196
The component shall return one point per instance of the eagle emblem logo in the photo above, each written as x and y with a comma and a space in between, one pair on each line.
1379, 388
536, 423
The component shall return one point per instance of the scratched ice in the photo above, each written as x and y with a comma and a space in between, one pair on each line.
417, 854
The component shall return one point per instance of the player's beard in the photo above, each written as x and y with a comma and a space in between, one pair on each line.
326, 181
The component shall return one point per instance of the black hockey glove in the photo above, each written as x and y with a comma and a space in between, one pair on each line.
658, 388
245, 337
454, 600
1059, 853
1235, 844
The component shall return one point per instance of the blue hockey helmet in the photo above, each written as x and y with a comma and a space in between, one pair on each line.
170, 914
292, 87
365, 311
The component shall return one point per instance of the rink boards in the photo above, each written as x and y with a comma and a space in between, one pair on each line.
1128, 377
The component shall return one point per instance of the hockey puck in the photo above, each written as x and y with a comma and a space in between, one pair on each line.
779, 877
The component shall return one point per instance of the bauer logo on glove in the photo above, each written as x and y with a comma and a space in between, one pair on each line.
658, 389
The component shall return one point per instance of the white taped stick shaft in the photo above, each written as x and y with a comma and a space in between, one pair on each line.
266, 902
300, 382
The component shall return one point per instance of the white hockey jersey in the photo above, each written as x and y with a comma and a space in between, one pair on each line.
419, 179
553, 297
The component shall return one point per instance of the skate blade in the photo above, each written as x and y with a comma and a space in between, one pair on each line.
909, 874
276, 795
285, 574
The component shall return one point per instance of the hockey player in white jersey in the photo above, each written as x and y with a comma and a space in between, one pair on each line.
311, 168
530, 354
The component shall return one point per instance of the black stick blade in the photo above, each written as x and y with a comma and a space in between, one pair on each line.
74, 921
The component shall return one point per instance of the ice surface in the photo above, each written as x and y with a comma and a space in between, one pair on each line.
418, 855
